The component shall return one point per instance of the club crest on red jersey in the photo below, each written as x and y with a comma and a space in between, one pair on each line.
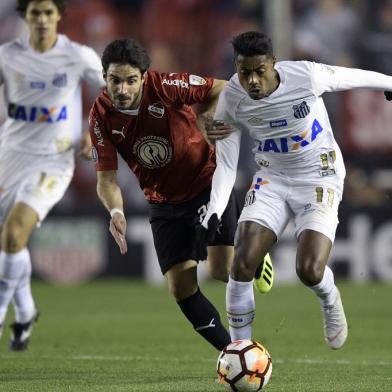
153, 152
156, 109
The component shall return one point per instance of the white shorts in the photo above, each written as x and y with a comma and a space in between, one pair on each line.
37, 180
313, 203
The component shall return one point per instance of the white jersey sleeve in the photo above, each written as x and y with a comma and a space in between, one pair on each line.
92, 71
326, 78
227, 153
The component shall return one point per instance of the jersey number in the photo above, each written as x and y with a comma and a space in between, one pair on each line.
320, 195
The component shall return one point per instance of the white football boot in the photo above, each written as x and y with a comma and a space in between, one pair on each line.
335, 324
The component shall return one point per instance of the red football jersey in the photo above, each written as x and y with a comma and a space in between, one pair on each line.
161, 143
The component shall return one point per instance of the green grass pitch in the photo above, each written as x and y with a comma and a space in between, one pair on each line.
113, 336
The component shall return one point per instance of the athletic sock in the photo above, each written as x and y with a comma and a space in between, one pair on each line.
326, 290
12, 266
205, 319
23, 299
240, 306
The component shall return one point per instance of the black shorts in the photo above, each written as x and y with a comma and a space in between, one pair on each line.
173, 228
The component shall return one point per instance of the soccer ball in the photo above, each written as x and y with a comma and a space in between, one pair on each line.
244, 366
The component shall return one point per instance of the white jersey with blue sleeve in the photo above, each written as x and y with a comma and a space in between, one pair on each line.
42, 94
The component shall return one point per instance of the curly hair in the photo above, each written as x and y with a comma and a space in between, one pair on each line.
252, 43
21, 6
126, 51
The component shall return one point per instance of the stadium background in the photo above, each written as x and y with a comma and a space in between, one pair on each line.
74, 245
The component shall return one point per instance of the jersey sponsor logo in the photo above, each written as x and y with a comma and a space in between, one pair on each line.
156, 109
60, 80
301, 110
175, 82
98, 134
94, 154
37, 114
259, 183
121, 133
153, 152
195, 80
255, 121
278, 123
37, 85
293, 143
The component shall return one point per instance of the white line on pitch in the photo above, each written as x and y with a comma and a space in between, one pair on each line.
131, 358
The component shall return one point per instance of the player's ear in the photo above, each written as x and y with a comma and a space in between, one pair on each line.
104, 74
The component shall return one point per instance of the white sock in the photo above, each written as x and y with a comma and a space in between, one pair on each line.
23, 299
12, 266
326, 290
240, 306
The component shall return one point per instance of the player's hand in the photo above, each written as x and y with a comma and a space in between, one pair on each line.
218, 130
388, 95
118, 228
212, 130
205, 236
85, 149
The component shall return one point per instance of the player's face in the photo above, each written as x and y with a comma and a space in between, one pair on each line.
42, 18
124, 85
257, 75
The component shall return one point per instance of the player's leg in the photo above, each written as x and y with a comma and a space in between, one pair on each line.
182, 281
219, 261
34, 191
15, 264
221, 251
311, 264
252, 243
173, 232
315, 229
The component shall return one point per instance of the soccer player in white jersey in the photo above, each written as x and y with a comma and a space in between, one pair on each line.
300, 175
42, 76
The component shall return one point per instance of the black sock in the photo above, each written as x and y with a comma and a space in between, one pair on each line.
205, 319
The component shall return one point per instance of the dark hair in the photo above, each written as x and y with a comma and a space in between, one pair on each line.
252, 43
126, 51
21, 6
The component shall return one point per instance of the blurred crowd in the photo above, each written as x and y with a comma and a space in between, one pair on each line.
194, 36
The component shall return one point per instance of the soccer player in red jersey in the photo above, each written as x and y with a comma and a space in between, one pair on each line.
146, 117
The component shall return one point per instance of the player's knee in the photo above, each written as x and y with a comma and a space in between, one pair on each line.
243, 269
13, 237
180, 290
310, 271
218, 271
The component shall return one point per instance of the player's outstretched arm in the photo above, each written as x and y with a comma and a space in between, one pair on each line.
110, 195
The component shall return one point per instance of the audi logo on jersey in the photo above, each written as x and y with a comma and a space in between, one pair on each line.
153, 152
